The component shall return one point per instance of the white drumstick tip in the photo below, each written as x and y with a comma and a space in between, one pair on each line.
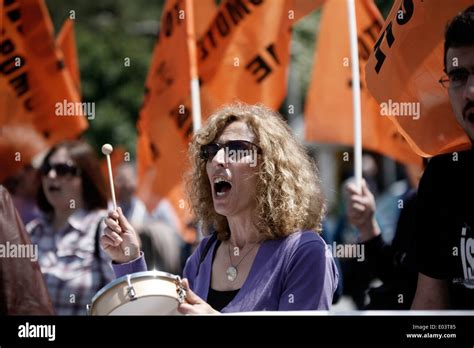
107, 149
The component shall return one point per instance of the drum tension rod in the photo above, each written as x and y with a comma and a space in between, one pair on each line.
130, 289
180, 290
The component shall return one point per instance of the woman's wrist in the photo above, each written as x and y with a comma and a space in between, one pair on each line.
129, 259
369, 230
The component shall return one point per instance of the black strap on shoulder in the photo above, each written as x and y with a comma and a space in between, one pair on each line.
103, 281
203, 255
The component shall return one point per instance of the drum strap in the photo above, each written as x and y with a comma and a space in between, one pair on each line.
103, 281
208, 245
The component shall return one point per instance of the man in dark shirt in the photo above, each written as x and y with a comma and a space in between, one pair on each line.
445, 203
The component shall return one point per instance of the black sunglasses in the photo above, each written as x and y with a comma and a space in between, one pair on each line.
61, 169
208, 151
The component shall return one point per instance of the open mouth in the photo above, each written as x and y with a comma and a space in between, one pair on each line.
221, 186
470, 117
54, 188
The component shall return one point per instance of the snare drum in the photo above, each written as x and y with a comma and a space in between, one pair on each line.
142, 293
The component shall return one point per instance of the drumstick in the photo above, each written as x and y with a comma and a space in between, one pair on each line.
107, 150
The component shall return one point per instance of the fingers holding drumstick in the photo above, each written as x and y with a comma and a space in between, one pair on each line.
119, 240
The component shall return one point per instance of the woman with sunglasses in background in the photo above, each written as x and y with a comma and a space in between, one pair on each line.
254, 186
72, 197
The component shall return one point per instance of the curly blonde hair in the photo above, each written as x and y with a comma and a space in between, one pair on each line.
288, 193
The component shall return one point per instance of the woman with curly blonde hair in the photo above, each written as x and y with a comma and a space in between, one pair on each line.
252, 184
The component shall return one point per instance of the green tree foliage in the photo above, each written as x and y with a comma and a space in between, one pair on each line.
109, 35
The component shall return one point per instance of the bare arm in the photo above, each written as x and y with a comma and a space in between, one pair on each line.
430, 293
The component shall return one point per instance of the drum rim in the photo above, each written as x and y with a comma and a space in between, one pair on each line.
154, 274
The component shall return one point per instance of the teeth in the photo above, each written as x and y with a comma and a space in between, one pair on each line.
219, 179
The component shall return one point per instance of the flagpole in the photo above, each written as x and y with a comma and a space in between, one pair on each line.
191, 42
355, 93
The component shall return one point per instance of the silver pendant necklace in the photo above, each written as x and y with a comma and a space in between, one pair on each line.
232, 271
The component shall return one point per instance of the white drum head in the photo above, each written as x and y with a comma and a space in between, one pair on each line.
152, 305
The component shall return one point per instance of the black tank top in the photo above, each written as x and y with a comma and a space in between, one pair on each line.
219, 299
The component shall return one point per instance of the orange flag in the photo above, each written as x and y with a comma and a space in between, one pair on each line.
34, 86
165, 123
328, 110
203, 11
66, 41
404, 69
145, 149
245, 52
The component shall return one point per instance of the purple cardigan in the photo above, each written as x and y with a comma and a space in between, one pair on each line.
292, 273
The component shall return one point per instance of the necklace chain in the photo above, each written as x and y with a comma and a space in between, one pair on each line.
238, 263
